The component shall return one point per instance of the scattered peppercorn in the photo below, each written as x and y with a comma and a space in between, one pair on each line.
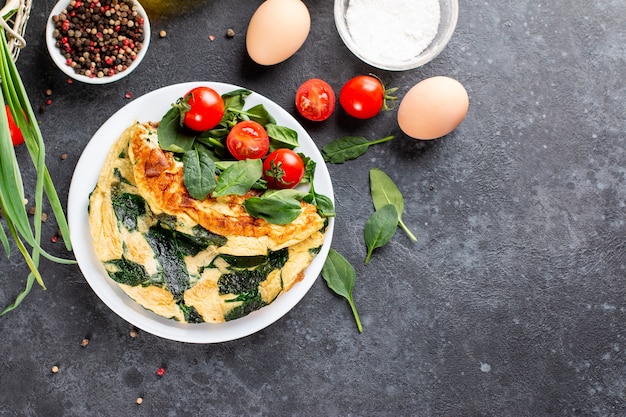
42, 108
31, 210
128, 95
48, 92
160, 372
211, 38
55, 369
48, 101
54, 239
139, 400
162, 33
85, 342
44, 217
64, 157
133, 333
230, 33
99, 38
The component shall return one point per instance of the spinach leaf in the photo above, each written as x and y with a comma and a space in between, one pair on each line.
346, 148
198, 173
190, 313
235, 99
239, 177
380, 228
170, 252
384, 191
341, 277
127, 208
309, 168
273, 210
286, 194
171, 136
260, 115
281, 136
128, 272
324, 204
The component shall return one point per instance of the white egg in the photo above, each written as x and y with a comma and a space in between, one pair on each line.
433, 108
276, 31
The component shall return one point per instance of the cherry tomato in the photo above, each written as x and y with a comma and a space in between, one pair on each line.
315, 99
283, 168
202, 109
248, 140
16, 134
364, 96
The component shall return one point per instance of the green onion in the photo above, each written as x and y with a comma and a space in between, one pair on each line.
12, 197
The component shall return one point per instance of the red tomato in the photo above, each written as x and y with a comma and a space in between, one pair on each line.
248, 140
16, 134
315, 99
204, 109
364, 96
283, 168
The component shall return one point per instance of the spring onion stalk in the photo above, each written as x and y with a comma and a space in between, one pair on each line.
12, 195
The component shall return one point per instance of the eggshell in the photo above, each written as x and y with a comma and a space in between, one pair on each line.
433, 108
277, 29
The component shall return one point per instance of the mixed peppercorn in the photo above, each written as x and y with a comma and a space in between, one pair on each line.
99, 38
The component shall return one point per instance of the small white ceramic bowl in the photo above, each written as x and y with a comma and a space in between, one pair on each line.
60, 60
449, 11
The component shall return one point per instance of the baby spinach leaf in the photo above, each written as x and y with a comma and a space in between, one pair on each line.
260, 115
384, 191
198, 173
380, 228
281, 136
341, 277
273, 210
346, 148
235, 99
324, 204
171, 136
286, 194
239, 177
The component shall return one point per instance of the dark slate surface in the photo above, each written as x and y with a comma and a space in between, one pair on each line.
512, 302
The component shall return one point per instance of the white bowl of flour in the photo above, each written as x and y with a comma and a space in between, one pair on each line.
398, 35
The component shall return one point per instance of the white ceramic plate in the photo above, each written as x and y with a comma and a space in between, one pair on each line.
59, 59
152, 107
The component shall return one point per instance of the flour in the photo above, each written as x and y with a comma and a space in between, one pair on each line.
395, 30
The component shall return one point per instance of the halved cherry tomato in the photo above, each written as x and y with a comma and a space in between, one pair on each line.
248, 140
364, 96
315, 99
283, 168
202, 108
16, 134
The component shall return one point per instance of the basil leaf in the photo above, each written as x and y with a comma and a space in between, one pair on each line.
380, 228
171, 137
346, 148
239, 177
273, 210
340, 277
198, 174
281, 137
384, 191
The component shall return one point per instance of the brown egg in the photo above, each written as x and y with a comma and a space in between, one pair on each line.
276, 31
433, 108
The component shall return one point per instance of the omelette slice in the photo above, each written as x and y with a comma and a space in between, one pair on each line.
188, 260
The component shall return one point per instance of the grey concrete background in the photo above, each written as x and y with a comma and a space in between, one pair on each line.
511, 303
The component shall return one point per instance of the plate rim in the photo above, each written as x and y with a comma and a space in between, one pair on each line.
85, 176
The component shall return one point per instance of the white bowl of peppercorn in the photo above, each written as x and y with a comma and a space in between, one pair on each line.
97, 41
